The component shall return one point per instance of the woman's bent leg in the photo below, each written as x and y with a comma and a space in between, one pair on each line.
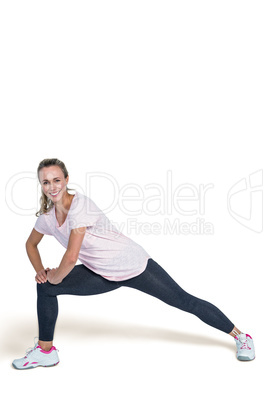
81, 282
47, 312
156, 282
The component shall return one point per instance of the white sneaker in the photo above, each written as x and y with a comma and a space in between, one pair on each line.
245, 347
37, 357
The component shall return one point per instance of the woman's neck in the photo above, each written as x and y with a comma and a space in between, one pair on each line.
63, 205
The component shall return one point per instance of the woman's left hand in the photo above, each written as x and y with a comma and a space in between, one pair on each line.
52, 276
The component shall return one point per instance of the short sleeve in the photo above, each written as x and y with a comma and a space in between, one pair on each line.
84, 214
42, 226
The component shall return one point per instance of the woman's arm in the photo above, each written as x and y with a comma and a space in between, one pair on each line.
34, 256
55, 276
32, 250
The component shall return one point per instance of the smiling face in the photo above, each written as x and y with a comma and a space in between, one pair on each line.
53, 182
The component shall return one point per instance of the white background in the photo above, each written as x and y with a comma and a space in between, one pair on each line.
135, 89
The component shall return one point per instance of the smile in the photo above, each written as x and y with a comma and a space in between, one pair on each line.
54, 194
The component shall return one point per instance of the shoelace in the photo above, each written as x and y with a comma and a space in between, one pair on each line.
29, 350
245, 344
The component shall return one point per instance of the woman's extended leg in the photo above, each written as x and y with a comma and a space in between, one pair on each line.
80, 281
156, 282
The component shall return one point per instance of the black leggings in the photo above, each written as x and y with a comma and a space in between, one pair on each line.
154, 280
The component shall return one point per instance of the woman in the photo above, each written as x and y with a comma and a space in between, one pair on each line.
109, 260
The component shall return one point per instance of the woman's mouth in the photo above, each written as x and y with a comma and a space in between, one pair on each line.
55, 194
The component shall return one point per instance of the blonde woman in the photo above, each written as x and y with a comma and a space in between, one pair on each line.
108, 259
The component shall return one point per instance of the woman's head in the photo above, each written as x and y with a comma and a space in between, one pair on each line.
53, 177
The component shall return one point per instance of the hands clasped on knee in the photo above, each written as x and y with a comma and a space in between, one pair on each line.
45, 275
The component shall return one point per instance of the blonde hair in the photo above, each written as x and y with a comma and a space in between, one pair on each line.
46, 204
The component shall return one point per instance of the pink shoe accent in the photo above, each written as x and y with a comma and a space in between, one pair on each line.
248, 336
34, 362
245, 346
25, 364
43, 351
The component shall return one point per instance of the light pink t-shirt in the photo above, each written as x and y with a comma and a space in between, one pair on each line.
104, 250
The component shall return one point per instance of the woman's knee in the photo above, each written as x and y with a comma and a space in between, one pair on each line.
44, 288
187, 302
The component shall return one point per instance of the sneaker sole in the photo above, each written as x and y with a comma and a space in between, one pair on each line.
245, 358
32, 367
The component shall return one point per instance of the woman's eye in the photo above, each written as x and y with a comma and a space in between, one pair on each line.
45, 182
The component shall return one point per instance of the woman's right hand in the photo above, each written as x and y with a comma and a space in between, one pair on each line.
41, 276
